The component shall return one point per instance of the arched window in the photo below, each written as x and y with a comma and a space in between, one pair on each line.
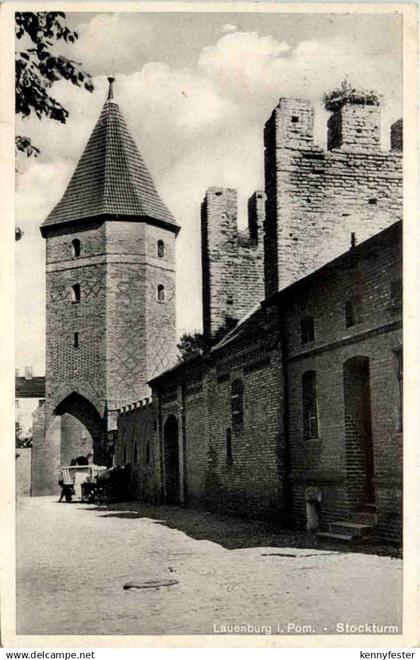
237, 405
161, 293
309, 406
75, 247
307, 329
160, 249
75, 293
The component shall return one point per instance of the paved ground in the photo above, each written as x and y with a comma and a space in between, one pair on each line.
73, 561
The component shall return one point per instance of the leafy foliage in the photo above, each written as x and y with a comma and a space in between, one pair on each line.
346, 93
190, 345
38, 67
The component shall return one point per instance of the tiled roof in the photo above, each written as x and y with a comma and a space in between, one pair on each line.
111, 177
30, 388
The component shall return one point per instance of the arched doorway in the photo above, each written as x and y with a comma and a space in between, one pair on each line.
171, 456
81, 429
358, 432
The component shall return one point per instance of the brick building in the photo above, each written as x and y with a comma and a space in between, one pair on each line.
293, 412
295, 415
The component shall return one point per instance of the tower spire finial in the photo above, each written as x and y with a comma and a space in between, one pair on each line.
110, 90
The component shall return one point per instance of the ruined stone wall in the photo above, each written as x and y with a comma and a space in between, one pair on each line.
317, 198
232, 260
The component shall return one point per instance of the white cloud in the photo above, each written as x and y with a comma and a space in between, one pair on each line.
121, 39
243, 64
228, 27
196, 126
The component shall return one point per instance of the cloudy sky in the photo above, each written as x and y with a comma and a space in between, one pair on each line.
196, 90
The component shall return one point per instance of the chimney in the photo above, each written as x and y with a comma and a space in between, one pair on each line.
28, 373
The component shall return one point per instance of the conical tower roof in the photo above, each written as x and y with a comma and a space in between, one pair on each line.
111, 178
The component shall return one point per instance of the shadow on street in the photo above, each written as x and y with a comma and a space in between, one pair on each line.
231, 532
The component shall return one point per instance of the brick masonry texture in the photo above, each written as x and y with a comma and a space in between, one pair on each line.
125, 335
232, 261
316, 199
329, 461
226, 430
272, 467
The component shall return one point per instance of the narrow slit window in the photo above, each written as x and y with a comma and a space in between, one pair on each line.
161, 293
307, 329
229, 454
76, 340
75, 247
160, 249
352, 310
396, 292
75, 293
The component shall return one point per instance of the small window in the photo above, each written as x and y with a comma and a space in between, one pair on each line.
309, 406
237, 405
135, 454
396, 292
75, 247
161, 293
352, 312
76, 340
160, 249
307, 329
75, 293
229, 455
399, 373
295, 119
148, 453
373, 201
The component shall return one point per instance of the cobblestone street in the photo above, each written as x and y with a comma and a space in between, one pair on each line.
73, 561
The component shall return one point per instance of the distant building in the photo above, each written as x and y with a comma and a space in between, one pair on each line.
29, 398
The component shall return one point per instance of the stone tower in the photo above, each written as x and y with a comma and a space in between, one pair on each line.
110, 261
232, 260
316, 199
